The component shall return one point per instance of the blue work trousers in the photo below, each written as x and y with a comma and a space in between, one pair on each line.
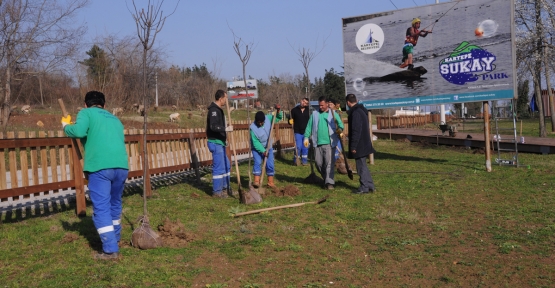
105, 190
220, 168
301, 150
259, 160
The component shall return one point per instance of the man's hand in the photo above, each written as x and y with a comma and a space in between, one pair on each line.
66, 120
305, 142
341, 136
265, 154
229, 128
278, 107
338, 131
354, 151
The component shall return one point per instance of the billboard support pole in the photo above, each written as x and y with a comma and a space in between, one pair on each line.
486, 136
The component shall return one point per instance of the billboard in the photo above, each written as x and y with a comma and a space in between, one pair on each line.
236, 90
468, 54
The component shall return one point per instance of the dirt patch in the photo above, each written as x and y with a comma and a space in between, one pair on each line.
69, 237
289, 190
174, 235
23, 122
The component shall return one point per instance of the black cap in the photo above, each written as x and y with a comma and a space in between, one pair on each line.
259, 117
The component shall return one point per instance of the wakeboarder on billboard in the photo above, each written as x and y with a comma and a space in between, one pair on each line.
451, 52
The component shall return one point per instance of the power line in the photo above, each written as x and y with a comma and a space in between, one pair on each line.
414, 2
393, 4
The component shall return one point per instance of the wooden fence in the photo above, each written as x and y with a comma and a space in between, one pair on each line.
48, 163
407, 121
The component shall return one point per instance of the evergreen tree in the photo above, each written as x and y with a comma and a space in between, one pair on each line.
98, 67
334, 86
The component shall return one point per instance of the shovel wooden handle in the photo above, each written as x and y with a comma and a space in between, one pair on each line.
280, 207
64, 111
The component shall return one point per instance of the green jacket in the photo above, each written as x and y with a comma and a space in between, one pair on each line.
101, 134
323, 128
255, 142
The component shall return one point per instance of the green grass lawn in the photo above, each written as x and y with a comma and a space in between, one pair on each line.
437, 219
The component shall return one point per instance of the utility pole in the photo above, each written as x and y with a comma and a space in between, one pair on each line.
442, 106
156, 78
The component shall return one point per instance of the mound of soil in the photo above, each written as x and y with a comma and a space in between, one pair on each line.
174, 235
289, 190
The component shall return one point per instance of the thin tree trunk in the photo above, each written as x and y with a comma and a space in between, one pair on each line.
549, 91
538, 68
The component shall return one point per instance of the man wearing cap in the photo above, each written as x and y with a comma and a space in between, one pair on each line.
411, 39
260, 134
106, 167
324, 129
216, 133
299, 119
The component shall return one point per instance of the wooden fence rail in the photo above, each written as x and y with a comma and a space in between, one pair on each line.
48, 163
407, 121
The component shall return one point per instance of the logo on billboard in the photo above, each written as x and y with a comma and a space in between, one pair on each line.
369, 38
468, 63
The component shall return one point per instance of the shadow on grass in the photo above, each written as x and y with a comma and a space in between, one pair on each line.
389, 156
42, 208
85, 228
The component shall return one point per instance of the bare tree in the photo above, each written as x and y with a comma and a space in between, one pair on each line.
35, 31
238, 46
533, 34
306, 55
149, 23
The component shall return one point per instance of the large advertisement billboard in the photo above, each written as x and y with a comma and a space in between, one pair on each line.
236, 90
461, 51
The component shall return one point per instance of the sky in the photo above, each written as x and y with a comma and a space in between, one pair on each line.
199, 31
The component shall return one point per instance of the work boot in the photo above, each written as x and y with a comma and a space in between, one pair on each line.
106, 256
271, 182
256, 181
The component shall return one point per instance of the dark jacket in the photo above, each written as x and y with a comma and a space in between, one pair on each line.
359, 132
215, 123
300, 119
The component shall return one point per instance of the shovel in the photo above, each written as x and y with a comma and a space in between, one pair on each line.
280, 207
268, 147
349, 171
251, 197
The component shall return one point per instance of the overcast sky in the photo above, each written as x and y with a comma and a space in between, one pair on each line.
198, 31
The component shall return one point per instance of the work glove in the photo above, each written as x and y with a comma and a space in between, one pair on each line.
291, 121
229, 128
305, 142
341, 136
338, 131
66, 120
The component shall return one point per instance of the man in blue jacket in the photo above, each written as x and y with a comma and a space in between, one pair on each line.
359, 143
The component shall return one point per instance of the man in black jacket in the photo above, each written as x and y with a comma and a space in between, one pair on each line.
216, 134
359, 143
299, 120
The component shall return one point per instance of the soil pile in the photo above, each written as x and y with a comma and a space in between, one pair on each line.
174, 235
289, 190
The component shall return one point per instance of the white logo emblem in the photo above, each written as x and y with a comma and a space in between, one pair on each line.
214, 114
369, 38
